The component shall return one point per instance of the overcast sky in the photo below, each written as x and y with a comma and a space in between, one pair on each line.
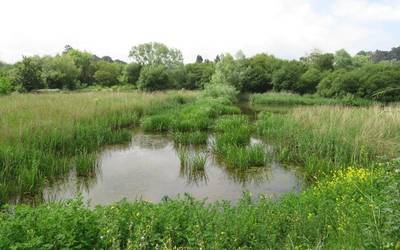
285, 28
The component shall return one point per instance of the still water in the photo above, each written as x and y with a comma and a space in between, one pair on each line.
149, 168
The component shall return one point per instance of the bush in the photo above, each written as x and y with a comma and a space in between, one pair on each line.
107, 73
60, 72
28, 73
154, 77
132, 73
222, 91
5, 85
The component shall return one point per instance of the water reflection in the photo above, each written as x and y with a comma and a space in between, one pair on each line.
150, 168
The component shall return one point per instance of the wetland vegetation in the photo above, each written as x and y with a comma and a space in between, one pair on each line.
306, 171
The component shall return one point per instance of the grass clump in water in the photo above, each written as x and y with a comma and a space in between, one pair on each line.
232, 143
86, 164
190, 138
245, 157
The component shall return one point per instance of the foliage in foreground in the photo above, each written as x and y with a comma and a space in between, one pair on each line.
355, 208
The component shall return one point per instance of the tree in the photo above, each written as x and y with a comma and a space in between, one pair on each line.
177, 75
131, 73
154, 77
85, 63
60, 72
342, 59
256, 75
5, 85
226, 72
309, 81
319, 60
199, 59
29, 73
361, 60
198, 74
155, 53
107, 73
287, 77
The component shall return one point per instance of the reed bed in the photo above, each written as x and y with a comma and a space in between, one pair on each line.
324, 138
39, 134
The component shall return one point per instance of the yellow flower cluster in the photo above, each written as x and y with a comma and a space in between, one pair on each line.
349, 175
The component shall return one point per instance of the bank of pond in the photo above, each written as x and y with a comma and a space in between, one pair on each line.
197, 170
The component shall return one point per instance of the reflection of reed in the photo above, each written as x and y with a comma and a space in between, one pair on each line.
192, 165
256, 175
150, 141
193, 175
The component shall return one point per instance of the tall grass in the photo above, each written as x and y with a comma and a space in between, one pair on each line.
289, 99
39, 134
193, 165
324, 138
190, 138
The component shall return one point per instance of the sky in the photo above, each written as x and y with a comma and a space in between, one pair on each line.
285, 28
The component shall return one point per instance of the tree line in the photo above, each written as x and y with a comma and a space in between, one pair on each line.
155, 66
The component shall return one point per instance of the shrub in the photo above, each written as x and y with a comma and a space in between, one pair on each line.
5, 85
154, 77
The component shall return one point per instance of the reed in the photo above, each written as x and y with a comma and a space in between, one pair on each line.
324, 138
40, 134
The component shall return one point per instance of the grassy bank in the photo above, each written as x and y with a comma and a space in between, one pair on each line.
289, 99
356, 209
352, 202
324, 138
43, 137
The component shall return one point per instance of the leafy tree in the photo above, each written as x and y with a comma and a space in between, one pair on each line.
5, 85
28, 73
319, 60
342, 59
155, 53
131, 73
154, 77
199, 59
107, 73
257, 73
309, 81
375, 81
226, 72
287, 77
198, 75
84, 61
60, 72
361, 60
177, 75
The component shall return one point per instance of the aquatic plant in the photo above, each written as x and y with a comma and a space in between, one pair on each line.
41, 134
194, 138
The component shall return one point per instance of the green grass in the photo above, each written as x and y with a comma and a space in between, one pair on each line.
245, 157
352, 202
322, 139
289, 99
232, 143
41, 134
190, 138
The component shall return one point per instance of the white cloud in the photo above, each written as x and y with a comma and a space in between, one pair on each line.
286, 28
363, 10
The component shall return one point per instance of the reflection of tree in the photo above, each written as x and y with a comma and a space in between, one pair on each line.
256, 175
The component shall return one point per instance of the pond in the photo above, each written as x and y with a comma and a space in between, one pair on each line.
149, 168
